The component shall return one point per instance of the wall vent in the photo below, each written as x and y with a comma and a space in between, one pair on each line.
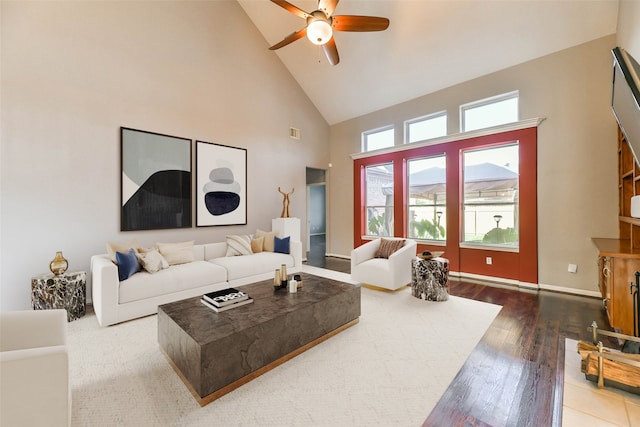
294, 133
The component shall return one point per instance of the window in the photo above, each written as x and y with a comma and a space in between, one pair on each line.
378, 138
490, 200
427, 127
427, 198
379, 199
489, 112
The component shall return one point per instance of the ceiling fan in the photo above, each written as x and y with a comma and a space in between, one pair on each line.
321, 25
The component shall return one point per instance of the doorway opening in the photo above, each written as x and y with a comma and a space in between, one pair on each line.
316, 214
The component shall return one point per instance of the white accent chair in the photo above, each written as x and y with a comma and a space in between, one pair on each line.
392, 273
34, 367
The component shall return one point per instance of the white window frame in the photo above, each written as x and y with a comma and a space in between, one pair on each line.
366, 134
408, 123
488, 101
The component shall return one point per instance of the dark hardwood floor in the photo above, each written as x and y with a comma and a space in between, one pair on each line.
514, 376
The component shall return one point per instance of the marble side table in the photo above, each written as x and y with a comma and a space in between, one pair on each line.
430, 279
67, 290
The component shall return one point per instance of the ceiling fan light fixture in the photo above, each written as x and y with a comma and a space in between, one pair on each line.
319, 32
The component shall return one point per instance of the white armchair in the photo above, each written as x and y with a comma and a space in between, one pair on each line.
34, 367
392, 273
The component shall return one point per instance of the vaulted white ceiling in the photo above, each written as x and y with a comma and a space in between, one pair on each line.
429, 45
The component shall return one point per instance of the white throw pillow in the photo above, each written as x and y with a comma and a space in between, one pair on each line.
177, 253
113, 247
238, 245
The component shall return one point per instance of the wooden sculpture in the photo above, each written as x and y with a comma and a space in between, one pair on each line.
285, 203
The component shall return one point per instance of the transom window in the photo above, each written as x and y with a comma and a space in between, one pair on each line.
427, 185
379, 199
426, 127
490, 200
378, 138
494, 111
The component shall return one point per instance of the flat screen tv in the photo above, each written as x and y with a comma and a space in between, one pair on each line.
625, 97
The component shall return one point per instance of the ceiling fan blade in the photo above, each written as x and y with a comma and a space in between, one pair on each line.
359, 23
290, 39
291, 8
327, 6
331, 51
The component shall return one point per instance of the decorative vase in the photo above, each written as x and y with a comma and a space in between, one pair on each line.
276, 279
283, 275
59, 264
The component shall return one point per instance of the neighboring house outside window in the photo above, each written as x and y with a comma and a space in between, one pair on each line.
427, 198
379, 199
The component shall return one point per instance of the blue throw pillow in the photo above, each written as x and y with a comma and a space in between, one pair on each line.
281, 245
128, 264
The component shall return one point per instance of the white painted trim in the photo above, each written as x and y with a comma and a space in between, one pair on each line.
339, 256
522, 124
573, 291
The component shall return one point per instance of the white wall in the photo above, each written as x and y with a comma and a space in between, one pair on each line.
577, 154
73, 72
629, 27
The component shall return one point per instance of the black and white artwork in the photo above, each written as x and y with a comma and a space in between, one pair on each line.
221, 193
156, 181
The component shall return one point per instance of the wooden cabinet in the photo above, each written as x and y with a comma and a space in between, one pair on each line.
618, 263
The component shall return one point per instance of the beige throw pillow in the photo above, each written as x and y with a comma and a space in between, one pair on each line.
238, 245
152, 261
113, 247
387, 247
257, 244
177, 253
269, 236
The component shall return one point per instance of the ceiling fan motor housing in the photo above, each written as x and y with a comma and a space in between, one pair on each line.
319, 29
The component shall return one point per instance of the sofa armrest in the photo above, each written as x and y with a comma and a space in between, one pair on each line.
364, 252
104, 288
28, 329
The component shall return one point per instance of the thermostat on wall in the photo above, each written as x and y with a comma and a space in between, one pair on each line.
635, 206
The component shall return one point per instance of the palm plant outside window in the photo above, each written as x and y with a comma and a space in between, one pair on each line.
427, 198
490, 200
379, 199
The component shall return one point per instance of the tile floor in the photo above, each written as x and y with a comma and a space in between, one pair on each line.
584, 404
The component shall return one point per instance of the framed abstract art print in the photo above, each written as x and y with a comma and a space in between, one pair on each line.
221, 185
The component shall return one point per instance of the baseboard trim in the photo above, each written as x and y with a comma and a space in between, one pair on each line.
491, 280
573, 291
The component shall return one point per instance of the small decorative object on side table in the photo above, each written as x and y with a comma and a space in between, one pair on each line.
67, 290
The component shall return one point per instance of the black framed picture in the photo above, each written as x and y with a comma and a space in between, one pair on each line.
221, 185
155, 181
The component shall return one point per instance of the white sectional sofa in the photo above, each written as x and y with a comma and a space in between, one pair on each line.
141, 294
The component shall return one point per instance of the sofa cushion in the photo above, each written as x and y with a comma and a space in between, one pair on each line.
281, 246
251, 265
173, 279
128, 264
238, 245
177, 253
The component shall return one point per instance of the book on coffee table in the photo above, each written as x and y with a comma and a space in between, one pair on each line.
225, 297
226, 307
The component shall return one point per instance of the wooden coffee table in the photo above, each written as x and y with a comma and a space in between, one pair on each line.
215, 353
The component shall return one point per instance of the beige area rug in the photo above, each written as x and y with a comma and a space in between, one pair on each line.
584, 404
390, 369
